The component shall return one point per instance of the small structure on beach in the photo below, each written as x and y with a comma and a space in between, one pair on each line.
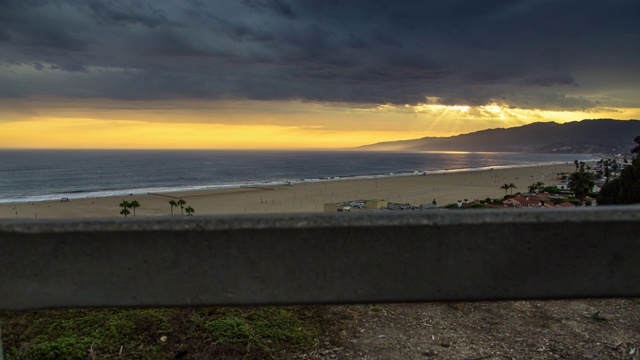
356, 205
376, 204
372, 205
337, 207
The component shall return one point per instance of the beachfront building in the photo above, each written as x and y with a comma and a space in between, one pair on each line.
564, 205
523, 201
371, 205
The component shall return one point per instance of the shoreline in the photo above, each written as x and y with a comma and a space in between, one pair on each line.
310, 195
232, 186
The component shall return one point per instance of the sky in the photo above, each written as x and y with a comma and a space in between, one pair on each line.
285, 74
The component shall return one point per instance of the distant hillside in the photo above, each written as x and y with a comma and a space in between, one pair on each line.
605, 136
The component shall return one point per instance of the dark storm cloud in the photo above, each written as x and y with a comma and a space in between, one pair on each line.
522, 53
549, 101
123, 14
276, 6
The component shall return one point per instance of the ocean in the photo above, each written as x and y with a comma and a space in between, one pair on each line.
38, 175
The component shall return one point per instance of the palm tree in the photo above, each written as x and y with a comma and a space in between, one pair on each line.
125, 208
512, 186
181, 202
540, 185
532, 188
125, 204
134, 204
575, 162
189, 210
505, 187
173, 204
636, 150
581, 183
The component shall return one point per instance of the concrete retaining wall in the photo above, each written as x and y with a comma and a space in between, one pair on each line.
321, 258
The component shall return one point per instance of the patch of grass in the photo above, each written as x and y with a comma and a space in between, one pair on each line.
226, 333
230, 330
76, 334
60, 348
267, 331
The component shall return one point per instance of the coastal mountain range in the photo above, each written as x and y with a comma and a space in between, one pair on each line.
592, 136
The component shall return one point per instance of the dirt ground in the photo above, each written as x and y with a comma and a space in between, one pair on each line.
559, 329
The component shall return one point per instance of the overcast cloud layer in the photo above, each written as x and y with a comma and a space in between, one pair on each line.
534, 54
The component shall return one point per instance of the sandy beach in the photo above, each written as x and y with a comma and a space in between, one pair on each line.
302, 197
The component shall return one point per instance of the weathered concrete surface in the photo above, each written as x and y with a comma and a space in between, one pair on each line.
323, 258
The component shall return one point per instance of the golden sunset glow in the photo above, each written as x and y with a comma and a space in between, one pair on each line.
56, 133
250, 124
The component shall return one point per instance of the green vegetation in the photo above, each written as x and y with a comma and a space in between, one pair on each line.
572, 200
248, 333
181, 203
133, 205
626, 188
536, 187
551, 190
581, 182
125, 211
507, 187
126, 205
173, 204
